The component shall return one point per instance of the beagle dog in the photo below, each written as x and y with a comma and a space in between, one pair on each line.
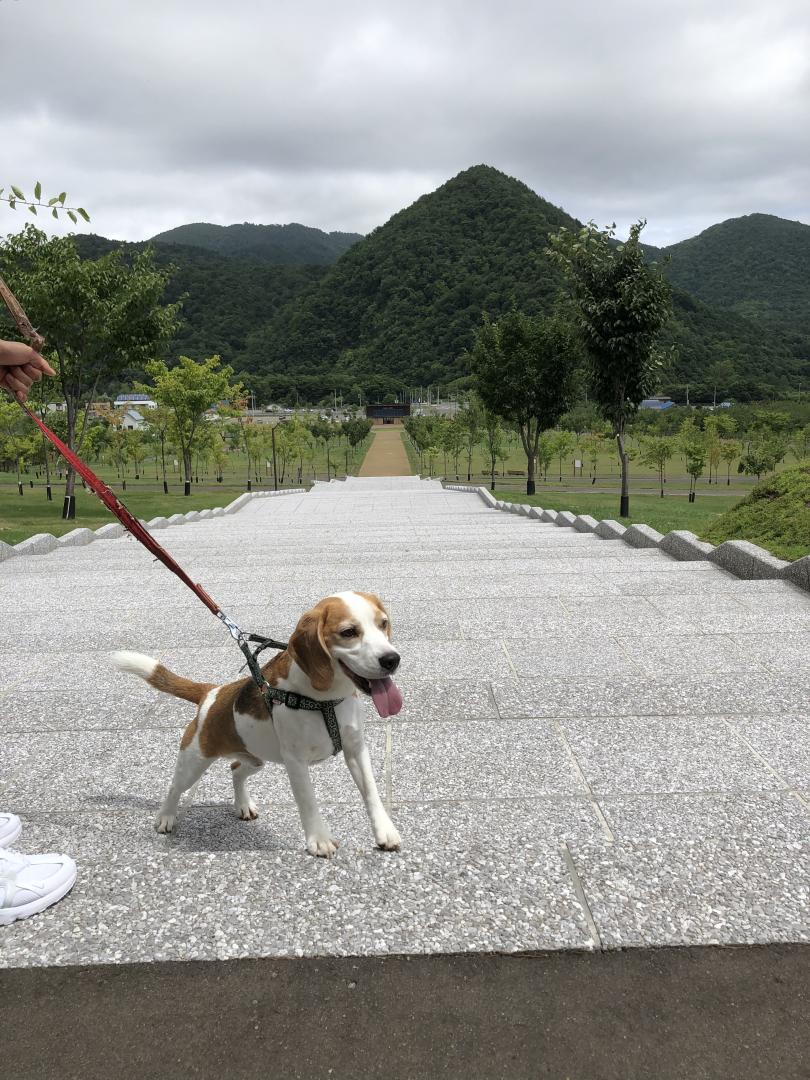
340, 647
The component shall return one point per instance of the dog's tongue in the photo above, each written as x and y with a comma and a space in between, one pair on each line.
386, 697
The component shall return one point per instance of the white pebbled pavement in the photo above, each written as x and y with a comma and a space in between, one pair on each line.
600, 747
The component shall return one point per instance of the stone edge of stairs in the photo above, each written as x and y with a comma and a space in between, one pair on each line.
42, 543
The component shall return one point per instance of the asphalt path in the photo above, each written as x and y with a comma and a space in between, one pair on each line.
663, 1014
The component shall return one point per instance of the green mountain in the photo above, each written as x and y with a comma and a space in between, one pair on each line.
224, 298
757, 266
401, 306
278, 245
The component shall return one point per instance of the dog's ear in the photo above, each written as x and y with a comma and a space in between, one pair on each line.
309, 649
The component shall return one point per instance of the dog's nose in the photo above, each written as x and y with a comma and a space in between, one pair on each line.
389, 661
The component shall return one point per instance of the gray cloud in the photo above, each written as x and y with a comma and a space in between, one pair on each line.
152, 114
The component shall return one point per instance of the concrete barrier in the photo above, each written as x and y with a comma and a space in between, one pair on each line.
585, 523
77, 538
684, 545
746, 560
38, 544
642, 536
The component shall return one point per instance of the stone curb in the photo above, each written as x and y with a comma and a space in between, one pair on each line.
76, 538
42, 543
642, 536
739, 557
746, 560
684, 545
584, 523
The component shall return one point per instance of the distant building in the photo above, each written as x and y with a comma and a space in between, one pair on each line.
133, 420
658, 402
140, 401
387, 414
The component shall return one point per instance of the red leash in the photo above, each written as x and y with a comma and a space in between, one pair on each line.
127, 519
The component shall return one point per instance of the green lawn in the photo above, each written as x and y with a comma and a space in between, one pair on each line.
671, 512
22, 516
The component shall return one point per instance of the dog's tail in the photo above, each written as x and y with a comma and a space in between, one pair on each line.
159, 676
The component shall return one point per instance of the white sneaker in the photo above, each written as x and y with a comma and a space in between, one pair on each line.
10, 829
31, 883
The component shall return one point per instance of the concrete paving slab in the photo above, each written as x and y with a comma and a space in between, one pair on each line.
665, 754
772, 814
783, 741
688, 892
701, 695
532, 761
570, 652
691, 654
281, 904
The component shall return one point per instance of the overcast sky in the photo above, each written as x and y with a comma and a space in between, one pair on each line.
338, 113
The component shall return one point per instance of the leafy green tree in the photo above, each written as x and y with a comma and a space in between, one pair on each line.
187, 392
564, 444
158, 424
472, 419
494, 440
326, 432
656, 452
98, 317
729, 451
526, 370
453, 441
692, 442
546, 448
621, 304
592, 446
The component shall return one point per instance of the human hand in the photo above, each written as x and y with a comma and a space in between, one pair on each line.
20, 368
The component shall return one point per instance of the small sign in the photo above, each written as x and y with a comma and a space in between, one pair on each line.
577, 464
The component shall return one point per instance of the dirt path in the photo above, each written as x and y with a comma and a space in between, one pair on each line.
386, 455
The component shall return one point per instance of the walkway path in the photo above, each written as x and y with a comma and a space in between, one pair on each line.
600, 746
386, 456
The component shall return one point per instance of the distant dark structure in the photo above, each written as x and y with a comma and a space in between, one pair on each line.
387, 414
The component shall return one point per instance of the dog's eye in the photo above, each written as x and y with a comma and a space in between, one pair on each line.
384, 624
349, 632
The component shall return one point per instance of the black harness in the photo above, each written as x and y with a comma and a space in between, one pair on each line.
272, 694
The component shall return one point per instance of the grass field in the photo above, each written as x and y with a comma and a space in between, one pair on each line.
643, 479
662, 514
22, 516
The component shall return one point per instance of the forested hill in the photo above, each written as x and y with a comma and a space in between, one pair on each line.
757, 266
404, 301
225, 299
279, 245
400, 307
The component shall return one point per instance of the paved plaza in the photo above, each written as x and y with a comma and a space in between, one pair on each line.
600, 746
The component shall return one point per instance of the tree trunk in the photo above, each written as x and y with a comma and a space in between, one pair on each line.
531, 457
186, 471
492, 474
69, 503
624, 502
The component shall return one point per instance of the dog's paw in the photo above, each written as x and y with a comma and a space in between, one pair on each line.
321, 845
387, 837
247, 811
164, 823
